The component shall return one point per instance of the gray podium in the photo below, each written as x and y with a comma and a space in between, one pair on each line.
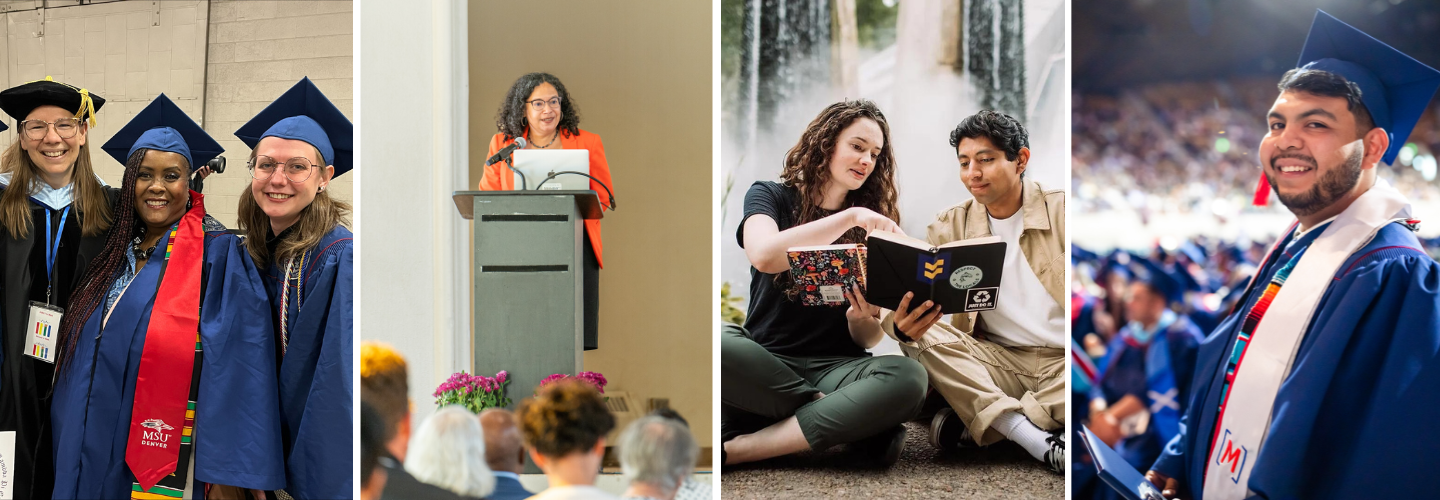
528, 282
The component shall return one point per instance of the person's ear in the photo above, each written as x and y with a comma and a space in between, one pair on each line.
1376, 142
1022, 160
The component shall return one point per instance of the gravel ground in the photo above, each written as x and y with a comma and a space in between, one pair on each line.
1003, 470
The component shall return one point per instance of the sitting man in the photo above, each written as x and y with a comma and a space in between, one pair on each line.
385, 386
657, 454
1003, 370
564, 425
504, 453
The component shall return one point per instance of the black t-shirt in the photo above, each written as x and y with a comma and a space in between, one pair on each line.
780, 324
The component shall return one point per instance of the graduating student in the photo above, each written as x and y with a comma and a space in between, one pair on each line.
54, 218
1322, 383
296, 233
797, 377
143, 404
539, 109
1146, 369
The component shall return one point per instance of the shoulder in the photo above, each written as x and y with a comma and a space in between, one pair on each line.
770, 192
497, 141
339, 239
211, 225
1394, 248
590, 139
954, 212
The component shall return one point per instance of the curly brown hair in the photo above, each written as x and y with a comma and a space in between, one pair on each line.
563, 417
807, 166
807, 169
511, 120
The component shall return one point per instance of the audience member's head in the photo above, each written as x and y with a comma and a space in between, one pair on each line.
449, 451
564, 425
384, 385
670, 414
656, 454
504, 448
372, 445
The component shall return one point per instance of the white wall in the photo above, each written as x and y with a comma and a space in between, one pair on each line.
412, 289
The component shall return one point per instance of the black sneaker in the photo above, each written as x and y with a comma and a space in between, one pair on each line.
883, 448
948, 433
1055, 458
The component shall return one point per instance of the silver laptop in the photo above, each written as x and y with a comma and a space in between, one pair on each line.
537, 164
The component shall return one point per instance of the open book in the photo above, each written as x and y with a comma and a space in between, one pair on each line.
822, 274
961, 276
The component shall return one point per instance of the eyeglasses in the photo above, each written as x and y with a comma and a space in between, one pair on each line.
539, 104
297, 169
36, 130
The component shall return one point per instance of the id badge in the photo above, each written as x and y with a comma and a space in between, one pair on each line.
44, 324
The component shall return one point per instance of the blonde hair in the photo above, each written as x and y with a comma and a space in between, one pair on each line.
90, 199
316, 220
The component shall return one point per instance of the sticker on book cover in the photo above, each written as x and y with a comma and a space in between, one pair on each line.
832, 294
966, 277
981, 299
930, 267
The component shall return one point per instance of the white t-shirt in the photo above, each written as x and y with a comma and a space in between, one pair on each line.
574, 493
1025, 314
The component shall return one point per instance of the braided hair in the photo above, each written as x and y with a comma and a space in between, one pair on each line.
105, 268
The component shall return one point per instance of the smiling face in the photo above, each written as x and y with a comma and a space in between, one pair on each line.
1313, 154
53, 154
162, 186
987, 174
856, 149
543, 121
280, 198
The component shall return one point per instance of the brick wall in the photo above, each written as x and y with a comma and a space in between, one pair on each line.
258, 50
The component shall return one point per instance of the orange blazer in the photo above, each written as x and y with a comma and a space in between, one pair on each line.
498, 177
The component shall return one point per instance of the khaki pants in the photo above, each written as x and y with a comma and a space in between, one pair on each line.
981, 379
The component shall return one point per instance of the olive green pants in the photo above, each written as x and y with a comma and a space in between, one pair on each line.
863, 396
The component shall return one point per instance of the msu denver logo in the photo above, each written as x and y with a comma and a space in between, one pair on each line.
1232, 454
156, 437
928, 269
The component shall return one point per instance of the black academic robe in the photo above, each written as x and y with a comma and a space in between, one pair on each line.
24, 381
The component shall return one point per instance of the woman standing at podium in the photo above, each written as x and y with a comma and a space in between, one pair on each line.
296, 233
539, 109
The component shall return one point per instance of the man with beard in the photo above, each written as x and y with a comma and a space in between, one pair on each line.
1320, 383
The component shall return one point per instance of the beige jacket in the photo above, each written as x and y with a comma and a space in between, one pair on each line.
1042, 241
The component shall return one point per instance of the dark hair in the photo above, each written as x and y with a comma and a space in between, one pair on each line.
670, 414
1001, 129
107, 267
510, 119
1327, 84
563, 417
372, 441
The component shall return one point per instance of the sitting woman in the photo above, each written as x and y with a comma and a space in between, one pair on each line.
449, 451
136, 385
564, 425
801, 378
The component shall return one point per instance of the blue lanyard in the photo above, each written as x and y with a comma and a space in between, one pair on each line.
51, 251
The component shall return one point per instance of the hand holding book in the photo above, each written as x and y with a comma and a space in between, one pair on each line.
912, 323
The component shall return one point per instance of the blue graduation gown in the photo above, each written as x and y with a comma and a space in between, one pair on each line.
237, 420
1353, 417
316, 370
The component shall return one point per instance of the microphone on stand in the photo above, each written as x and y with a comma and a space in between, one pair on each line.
504, 153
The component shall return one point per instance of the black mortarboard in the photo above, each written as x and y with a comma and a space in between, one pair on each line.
162, 126
20, 100
304, 114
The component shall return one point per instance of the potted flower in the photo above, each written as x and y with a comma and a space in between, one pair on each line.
474, 392
592, 378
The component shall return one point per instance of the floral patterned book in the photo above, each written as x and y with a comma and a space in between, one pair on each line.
822, 274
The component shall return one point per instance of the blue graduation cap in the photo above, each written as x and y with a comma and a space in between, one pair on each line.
1166, 284
1394, 87
162, 126
304, 114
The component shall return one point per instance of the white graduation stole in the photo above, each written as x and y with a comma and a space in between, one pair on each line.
1267, 360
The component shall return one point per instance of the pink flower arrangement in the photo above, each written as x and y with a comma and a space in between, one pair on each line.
474, 392
592, 378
